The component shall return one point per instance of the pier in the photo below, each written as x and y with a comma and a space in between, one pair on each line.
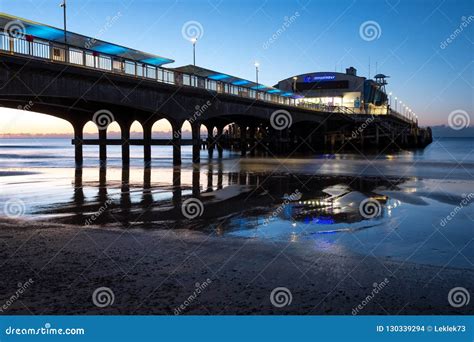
104, 83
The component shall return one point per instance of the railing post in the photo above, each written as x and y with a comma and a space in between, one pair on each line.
11, 45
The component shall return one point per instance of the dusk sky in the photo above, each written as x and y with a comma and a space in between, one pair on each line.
432, 77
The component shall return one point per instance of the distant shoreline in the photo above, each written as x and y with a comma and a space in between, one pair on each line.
440, 131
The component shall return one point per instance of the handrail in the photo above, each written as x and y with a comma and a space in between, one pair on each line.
83, 57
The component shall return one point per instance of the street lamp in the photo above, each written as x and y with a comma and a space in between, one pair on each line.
294, 83
63, 5
194, 41
257, 64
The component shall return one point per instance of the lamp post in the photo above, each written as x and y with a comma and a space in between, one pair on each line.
63, 5
194, 41
257, 64
294, 83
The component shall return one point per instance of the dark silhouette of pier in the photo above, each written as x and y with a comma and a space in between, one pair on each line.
81, 85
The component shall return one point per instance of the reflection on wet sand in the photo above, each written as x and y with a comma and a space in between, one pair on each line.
132, 200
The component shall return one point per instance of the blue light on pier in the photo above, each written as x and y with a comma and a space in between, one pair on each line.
218, 77
157, 61
44, 32
110, 49
241, 82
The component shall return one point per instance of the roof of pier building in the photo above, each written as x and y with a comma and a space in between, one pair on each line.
40, 31
324, 83
233, 80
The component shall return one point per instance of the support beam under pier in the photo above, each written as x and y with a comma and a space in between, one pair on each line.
147, 129
78, 138
177, 146
103, 147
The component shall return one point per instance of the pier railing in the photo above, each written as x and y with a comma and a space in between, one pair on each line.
86, 58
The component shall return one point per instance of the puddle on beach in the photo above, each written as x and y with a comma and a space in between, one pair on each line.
335, 214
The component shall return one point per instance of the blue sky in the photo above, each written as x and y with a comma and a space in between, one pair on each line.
324, 35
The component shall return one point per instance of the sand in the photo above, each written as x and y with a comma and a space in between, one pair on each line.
156, 271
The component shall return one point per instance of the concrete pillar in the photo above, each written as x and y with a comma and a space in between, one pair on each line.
102, 183
196, 132
78, 137
196, 184
78, 190
125, 128
243, 140
177, 186
210, 140
176, 145
102, 144
220, 149
210, 173
125, 200
252, 140
220, 175
147, 129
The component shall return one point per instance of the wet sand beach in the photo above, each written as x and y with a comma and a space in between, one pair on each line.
154, 272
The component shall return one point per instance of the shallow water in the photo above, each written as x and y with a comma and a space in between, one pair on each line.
312, 201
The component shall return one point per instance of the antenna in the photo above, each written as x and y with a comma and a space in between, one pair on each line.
369, 67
